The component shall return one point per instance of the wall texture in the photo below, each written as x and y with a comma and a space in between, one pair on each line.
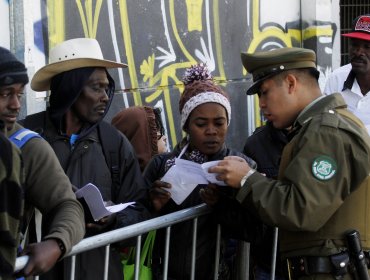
159, 39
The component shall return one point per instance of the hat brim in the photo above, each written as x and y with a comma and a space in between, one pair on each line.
42, 78
254, 88
358, 35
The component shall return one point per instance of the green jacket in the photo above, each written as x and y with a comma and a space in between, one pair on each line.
48, 189
318, 195
11, 204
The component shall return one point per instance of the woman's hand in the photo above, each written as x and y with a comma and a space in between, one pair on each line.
159, 195
210, 194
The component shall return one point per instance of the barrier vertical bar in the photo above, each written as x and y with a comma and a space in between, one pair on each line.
137, 257
274, 251
218, 247
106, 262
243, 260
166, 253
73, 267
194, 248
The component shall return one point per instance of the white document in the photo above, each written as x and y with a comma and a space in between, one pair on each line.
95, 202
185, 175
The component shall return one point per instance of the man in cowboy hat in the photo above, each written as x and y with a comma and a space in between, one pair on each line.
353, 80
81, 91
322, 188
46, 186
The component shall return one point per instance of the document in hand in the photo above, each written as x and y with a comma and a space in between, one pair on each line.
185, 175
90, 196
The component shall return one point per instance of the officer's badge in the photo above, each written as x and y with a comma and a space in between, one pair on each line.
324, 168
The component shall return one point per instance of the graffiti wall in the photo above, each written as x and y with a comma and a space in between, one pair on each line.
159, 39
4, 24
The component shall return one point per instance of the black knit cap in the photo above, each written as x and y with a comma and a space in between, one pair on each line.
12, 71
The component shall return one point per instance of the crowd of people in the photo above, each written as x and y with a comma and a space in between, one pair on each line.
305, 172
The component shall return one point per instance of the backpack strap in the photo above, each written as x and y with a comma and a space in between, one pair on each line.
110, 141
22, 136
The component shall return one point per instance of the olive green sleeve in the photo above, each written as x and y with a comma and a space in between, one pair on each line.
301, 200
49, 190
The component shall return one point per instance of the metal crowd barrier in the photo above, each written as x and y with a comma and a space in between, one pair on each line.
136, 230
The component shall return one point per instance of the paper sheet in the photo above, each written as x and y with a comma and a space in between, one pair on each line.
185, 175
92, 196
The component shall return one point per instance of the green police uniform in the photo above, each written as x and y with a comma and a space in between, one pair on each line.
328, 160
323, 187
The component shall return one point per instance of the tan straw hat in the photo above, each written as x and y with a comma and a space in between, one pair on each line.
69, 55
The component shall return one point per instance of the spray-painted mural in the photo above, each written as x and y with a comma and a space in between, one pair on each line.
4, 23
159, 39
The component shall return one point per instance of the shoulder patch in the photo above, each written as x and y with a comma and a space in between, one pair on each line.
324, 168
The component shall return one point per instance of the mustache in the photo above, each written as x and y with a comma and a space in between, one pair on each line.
358, 59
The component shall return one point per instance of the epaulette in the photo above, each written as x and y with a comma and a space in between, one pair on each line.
330, 118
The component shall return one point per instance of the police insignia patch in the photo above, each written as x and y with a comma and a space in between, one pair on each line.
324, 168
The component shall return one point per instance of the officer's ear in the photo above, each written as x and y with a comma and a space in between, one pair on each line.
291, 81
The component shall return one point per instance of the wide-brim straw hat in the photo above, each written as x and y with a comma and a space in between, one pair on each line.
69, 55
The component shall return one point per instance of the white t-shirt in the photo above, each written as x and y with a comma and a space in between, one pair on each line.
357, 103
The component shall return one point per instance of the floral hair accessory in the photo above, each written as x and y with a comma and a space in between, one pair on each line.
198, 72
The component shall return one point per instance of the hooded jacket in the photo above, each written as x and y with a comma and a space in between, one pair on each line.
84, 162
139, 126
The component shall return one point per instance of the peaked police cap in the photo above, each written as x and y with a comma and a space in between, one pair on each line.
263, 65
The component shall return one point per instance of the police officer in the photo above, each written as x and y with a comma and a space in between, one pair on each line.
323, 185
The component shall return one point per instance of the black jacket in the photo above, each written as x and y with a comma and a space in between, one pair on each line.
265, 146
179, 264
85, 163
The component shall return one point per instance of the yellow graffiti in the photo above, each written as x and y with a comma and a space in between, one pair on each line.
56, 22
89, 19
164, 80
129, 51
194, 8
217, 33
176, 32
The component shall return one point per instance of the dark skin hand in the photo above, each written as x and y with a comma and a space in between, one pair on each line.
158, 194
210, 194
42, 257
102, 225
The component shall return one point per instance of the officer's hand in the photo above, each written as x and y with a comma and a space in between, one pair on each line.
231, 170
42, 257
159, 195
103, 225
210, 194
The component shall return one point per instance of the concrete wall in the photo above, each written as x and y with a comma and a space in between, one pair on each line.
4, 24
159, 39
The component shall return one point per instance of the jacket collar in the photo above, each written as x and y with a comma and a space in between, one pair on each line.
326, 103
348, 83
